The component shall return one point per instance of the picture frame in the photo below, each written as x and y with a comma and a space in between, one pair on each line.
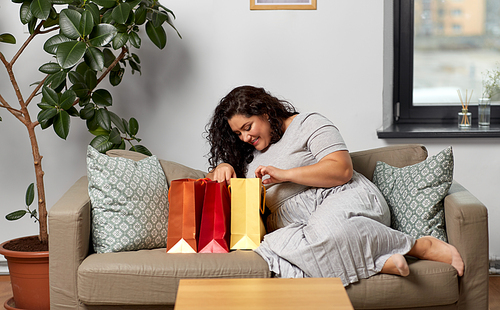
282, 4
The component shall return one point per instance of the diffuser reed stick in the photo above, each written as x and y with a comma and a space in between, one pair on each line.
465, 107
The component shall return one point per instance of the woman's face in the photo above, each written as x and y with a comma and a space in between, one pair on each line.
255, 130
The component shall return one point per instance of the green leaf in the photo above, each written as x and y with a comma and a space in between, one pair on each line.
90, 78
70, 53
120, 12
99, 131
118, 122
32, 25
50, 68
158, 18
7, 38
133, 126
141, 149
45, 117
87, 112
156, 35
55, 80
171, 23
52, 43
133, 3
120, 40
94, 10
41, 8
76, 77
102, 97
134, 66
67, 99
103, 119
30, 194
140, 15
86, 23
115, 137
102, 34
69, 21
135, 40
81, 90
25, 12
50, 96
94, 58
16, 215
109, 57
61, 124
105, 3
102, 143
44, 106
115, 77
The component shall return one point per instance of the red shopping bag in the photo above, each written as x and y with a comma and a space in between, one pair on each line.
184, 216
215, 219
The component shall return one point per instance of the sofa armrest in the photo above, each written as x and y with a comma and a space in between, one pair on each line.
69, 239
467, 229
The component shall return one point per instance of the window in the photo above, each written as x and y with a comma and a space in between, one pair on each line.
441, 46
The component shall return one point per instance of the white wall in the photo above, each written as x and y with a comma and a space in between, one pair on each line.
329, 60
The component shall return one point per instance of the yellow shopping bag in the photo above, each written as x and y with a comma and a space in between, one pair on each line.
247, 202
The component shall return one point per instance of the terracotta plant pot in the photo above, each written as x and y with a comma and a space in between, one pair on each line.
29, 276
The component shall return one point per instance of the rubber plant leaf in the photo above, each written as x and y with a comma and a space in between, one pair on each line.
50, 68
41, 8
118, 122
101, 143
50, 96
94, 58
45, 117
115, 137
156, 35
50, 46
103, 119
102, 35
69, 21
120, 40
61, 124
86, 23
120, 12
133, 127
30, 194
135, 40
94, 10
7, 38
141, 149
102, 97
16, 215
25, 12
67, 99
69, 53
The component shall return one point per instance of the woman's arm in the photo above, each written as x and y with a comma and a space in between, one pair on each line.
332, 170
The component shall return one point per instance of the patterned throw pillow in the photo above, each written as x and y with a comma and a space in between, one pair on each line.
129, 203
415, 194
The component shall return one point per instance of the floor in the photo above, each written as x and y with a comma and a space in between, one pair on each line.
6, 292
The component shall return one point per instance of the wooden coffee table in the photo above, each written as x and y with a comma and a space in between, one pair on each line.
262, 294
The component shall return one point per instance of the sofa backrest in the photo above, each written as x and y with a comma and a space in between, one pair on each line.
363, 161
400, 155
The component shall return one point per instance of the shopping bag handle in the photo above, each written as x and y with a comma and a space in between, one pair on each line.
262, 208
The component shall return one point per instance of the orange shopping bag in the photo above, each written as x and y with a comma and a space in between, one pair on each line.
184, 216
247, 203
215, 219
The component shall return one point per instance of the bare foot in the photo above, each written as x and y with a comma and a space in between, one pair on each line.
431, 248
396, 264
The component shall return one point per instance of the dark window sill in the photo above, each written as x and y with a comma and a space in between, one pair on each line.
397, 131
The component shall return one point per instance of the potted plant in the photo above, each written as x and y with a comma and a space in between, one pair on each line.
90, 40
491, 87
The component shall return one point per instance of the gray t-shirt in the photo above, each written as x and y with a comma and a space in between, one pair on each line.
308, 139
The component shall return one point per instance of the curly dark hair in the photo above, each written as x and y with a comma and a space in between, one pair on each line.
225, 145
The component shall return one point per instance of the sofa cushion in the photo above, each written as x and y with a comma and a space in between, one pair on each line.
129, 203
399, 155
415, 194
429, 284
173, 170
151, 277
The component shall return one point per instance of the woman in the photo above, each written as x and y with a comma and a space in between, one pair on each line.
326, 219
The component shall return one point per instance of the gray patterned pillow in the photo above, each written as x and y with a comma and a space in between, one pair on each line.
129, 203
415, 194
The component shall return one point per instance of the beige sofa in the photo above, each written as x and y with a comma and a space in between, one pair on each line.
148, 279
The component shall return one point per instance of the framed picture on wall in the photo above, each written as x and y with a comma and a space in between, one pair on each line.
282, 4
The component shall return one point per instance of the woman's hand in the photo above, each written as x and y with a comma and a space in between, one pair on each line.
221, 173
332, 170
276, 175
